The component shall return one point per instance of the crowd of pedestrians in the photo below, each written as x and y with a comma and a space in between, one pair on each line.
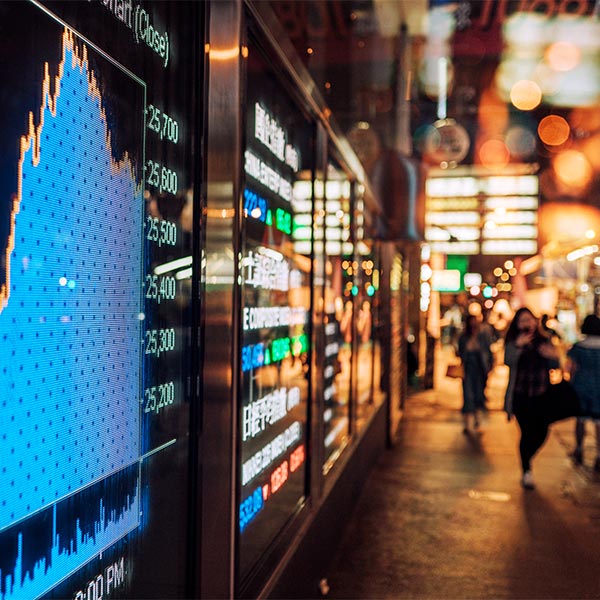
548, 380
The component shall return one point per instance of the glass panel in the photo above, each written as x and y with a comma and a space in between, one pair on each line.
368, 281
339, 314
276, 296
96, 211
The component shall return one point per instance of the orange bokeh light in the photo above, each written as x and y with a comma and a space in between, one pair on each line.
563, 221
525, 95
493, 114
554, 130
572, 168
494, 153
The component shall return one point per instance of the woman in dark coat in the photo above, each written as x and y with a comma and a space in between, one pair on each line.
530, 356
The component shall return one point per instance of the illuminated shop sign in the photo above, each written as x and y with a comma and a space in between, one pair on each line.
260, 171
446, 280
275, 311
273, 137
268, 131
482, 214
268, 410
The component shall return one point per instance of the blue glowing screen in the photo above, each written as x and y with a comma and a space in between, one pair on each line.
71, 330
97, 168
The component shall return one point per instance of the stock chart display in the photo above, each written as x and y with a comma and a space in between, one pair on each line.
276, 302
95, 275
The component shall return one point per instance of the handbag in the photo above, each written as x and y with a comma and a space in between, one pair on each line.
558, 402
455, 371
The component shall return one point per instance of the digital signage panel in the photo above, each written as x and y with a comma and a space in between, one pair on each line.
275, 316
95, 227
340, 289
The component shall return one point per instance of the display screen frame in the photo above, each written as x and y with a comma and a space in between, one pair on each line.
165, 448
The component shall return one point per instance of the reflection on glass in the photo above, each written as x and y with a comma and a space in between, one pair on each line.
368, 359
275, 275
339, 314
367, 294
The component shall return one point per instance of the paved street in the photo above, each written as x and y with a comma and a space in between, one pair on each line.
443, 514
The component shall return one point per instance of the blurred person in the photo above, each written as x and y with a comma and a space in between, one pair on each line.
530, 355
488, 337
474, 357
584, 369
453, 317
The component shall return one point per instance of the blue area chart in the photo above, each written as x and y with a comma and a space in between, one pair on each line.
71, 330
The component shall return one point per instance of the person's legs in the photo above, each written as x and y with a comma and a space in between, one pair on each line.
468, 408
539, 433
534, 431
469, 421
524, 421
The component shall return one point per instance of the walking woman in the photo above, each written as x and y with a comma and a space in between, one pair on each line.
474, 356
530, 355
584, 367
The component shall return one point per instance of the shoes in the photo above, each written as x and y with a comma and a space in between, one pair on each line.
578, 456
527, 481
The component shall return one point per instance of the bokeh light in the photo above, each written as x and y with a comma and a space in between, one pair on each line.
492, 115
525, 95
563, 56
474, 309
572, 168
520, 142
494, 153
566, 222
554, 130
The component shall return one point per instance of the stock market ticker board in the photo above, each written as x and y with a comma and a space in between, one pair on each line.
95, 272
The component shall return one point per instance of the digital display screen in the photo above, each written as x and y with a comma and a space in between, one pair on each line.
95, 227
276, 303
339, 315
